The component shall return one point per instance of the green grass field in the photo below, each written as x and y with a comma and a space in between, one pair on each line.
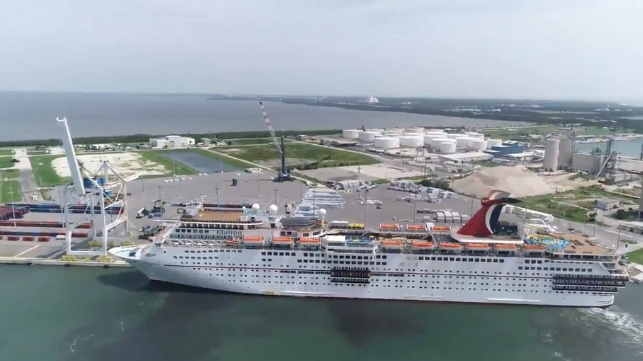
8, 186
44, 172
223, 158
6, 162
4, 152
572, 205
636, 256
298, 153
170, 166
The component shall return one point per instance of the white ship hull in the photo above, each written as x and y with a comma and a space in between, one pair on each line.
404, 278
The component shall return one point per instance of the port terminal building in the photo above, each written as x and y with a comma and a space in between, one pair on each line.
172, 141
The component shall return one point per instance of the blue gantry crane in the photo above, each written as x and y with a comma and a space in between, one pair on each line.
283, 174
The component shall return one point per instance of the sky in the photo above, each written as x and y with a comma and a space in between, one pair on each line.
544, 49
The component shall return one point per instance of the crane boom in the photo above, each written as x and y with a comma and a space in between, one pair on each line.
270, 128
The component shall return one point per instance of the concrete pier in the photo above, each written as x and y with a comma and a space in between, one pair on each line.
56, 262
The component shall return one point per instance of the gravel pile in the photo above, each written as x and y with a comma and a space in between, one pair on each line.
517, 180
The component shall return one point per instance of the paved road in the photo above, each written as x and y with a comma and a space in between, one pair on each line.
28, 184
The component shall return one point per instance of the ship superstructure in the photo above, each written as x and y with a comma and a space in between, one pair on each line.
247, 250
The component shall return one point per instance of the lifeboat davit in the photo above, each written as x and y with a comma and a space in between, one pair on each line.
231, 241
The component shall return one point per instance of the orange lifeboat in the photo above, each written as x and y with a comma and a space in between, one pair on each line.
534, 247
450, 245
252, 239
477, 246
504, 246
282, 240
423, 244
231, 241
441, 229
389, 227
309, 241
411, 227
395, 242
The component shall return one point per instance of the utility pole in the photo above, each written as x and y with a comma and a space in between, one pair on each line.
365, 205
13, 208
161, 204
275, 196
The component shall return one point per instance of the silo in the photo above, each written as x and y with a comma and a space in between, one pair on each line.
493, 142
411, 141
435, 143
367, 136
551, 154
565, 152
386, 142
463, 142
479, 144
350, 133
447, 147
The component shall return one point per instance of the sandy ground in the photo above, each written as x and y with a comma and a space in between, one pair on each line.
562, 182
128, 163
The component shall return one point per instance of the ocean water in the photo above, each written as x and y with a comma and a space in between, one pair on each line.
32, 115
87, 314
628, 148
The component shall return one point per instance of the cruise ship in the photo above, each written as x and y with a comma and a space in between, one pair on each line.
253, 251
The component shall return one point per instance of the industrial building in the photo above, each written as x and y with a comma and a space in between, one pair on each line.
464, 157
172, 141
506, 148
607, 204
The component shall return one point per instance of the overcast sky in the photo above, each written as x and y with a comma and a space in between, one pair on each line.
580, 49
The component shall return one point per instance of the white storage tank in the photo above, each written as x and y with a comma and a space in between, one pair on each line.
387, 142
396, 131
367, 136
413, 130
411, 141
478, 144
415, 135
463, 142
447, 147
351, 133
491, 142
429, 137
435, 142
565, 152
551, 154
452, 135
375, 130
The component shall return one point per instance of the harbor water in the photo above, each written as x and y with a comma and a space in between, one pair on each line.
32, 115
88, 314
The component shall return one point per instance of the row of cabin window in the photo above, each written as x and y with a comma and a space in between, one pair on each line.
372, 263
555, 269
463, 259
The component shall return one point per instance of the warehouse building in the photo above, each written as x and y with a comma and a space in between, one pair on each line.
506, 148
464, 157
172, 141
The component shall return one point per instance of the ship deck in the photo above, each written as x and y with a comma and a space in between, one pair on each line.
213, 216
